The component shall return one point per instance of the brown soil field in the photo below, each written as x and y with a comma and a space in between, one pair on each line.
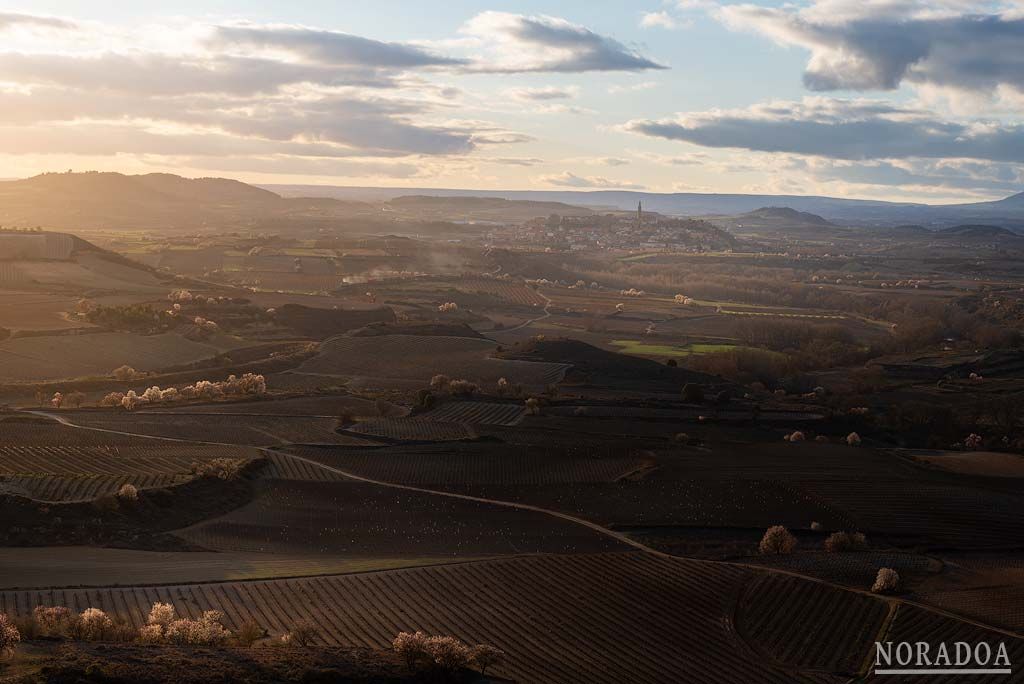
37, 311
442, 465
253, 430
327, 406
89, 566
58, 357
346, 518
418, 358
632, 626
983, 586
989, 463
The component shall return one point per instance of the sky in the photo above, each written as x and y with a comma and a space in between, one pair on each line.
884, 99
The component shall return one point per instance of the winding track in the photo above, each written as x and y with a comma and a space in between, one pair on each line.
618, 536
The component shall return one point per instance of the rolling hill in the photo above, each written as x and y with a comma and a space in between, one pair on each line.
82, 201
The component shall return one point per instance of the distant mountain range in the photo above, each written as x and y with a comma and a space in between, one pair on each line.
1007, 212
80, 201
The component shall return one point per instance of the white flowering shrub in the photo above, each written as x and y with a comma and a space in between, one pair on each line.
113, 399
94, 624
10, 637
53, 620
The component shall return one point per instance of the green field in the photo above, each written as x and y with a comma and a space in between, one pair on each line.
644, 349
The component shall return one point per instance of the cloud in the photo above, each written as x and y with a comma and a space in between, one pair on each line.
543, 94
633, 87
13, 19
513, 161
329, 47
857, 45
571, 180
521, 43
841, 129
145, 74
658, 20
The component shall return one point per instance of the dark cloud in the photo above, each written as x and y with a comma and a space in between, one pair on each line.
861, 46
330, 47
543, 43
841, 129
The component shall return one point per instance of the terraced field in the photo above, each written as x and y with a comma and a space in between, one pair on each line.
810, 626
155, 459
474, 412
416, 359
607, 618
66, 473
512, 292
413, 430
330, 406
349, 518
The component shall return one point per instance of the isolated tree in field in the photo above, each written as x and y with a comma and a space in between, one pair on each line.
503, 387
440, 382
796, 436
973, 441
303, 633
483, 656
128, 492
777, 540
10, 637
57, 401
887, 580
853, 439
411, 647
